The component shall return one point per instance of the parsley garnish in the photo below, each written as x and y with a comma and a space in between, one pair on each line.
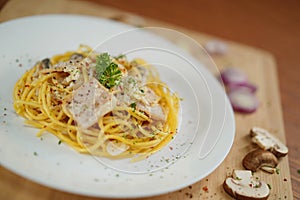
102, 62
107, 71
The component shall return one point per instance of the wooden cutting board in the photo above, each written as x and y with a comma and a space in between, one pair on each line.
260, 66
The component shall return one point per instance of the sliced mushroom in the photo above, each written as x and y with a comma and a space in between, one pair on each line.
46, 63
267, 141
260, 159
76, 56
242, 186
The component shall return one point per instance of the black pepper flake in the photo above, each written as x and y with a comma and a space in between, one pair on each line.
284, 179
190, 187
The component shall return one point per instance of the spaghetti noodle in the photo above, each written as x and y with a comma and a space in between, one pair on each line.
98, 104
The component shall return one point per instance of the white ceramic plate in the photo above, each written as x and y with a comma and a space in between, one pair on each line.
201, 144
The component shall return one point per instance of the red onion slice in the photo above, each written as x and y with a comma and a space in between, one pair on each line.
243, 101
216, 47
233, 76
244, 86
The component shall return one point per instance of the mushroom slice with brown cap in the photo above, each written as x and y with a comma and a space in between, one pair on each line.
267, 141
242, 186
260, 159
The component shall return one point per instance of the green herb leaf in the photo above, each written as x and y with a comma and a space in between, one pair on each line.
107, 72
269, 186
298, 171
111, 76
59, 142
35, 153
102, 62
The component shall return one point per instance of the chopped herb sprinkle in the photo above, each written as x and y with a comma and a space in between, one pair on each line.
120, 56
133, 105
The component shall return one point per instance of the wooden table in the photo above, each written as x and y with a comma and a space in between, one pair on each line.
273, 26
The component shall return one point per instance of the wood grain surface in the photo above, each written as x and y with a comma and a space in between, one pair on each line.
273, 26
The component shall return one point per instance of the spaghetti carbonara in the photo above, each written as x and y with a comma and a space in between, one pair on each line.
98, 104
